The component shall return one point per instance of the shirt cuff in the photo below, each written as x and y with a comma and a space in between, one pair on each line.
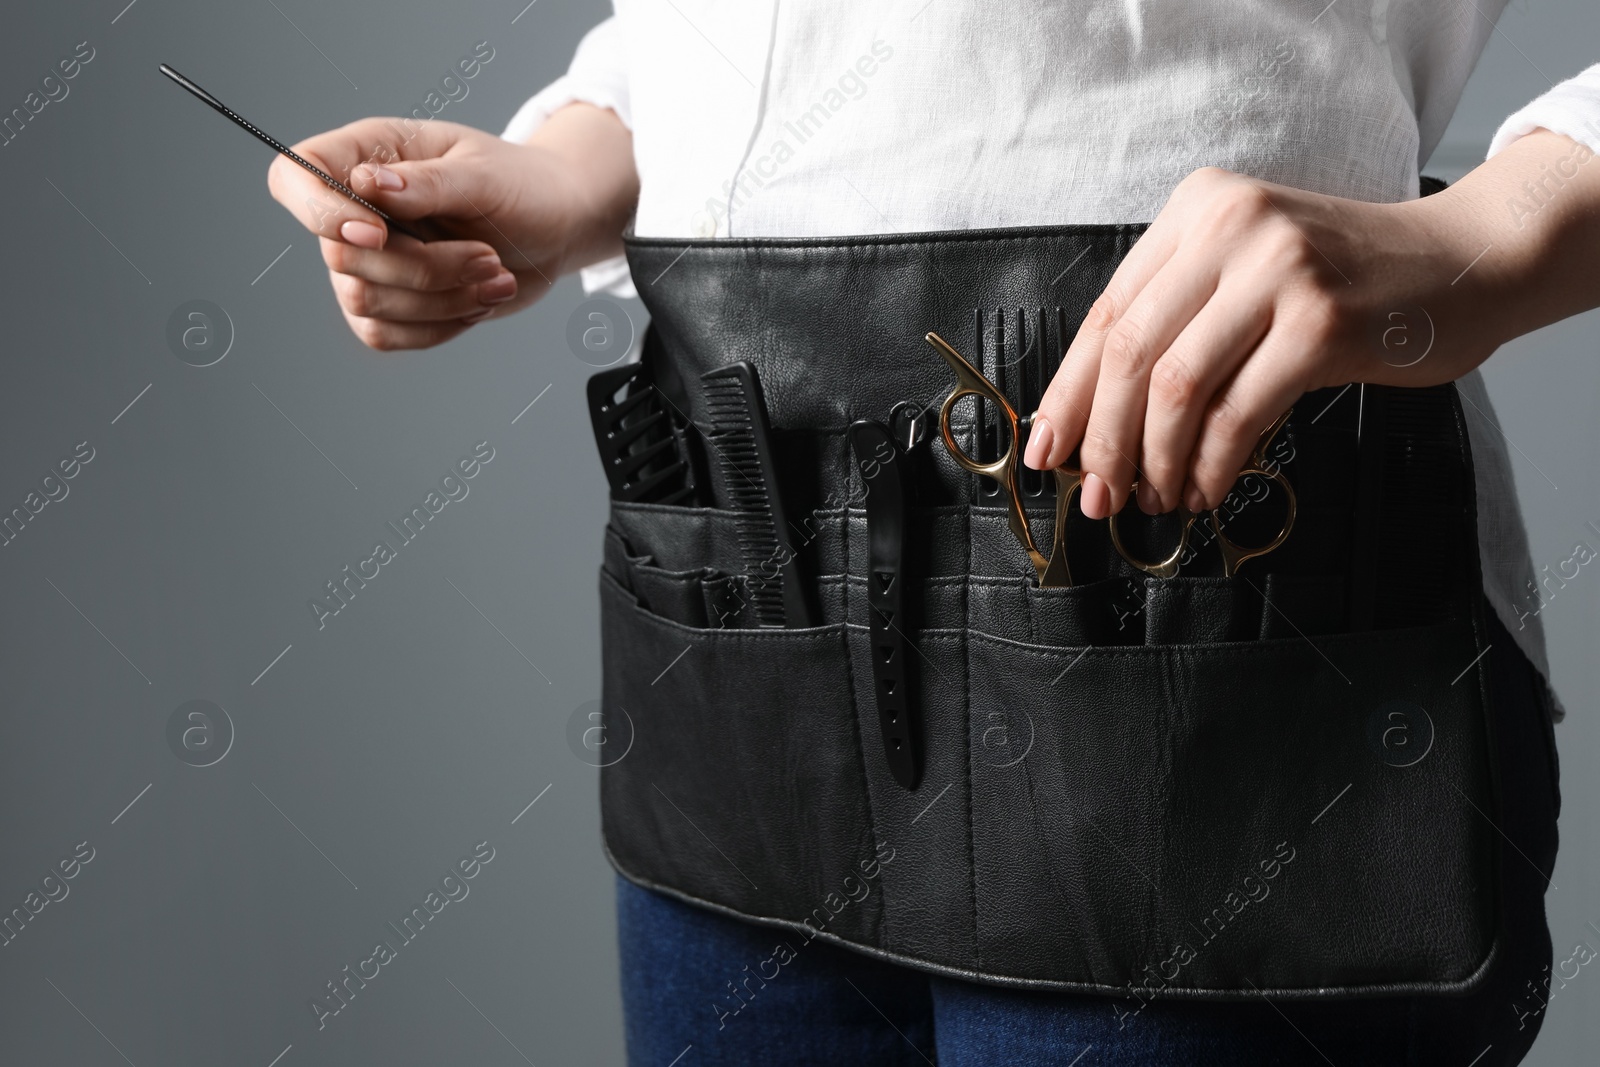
565, 90
1571, 108
609, 276
598, 75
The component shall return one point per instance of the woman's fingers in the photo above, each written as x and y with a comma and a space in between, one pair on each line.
433, 267
413, 295
399, 292
336, 153
369, 300
1129, 353
1064, 411
1266, 385
385, 336
408, 282
348, 154
1240, 297
320, 209
1182, 361
1185, 381
423, 188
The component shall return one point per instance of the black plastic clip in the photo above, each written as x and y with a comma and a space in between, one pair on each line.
881, 461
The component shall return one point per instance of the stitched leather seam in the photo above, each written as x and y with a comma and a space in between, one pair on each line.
1108, 232
830, 632
861, 747
966, 729
1223, 648
1480, 637
1303, 994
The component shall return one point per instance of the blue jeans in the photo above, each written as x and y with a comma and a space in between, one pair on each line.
694, 994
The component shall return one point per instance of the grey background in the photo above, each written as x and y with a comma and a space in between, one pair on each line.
428, 714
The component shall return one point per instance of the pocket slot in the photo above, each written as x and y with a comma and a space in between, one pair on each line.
1200, 611
676, 595
678, 538
998, 606
1096, 613
726, 598
1304, 604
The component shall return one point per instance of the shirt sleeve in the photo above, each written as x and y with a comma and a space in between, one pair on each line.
1571, 108
598, 75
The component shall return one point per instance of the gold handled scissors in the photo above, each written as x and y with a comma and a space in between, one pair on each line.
1051, 567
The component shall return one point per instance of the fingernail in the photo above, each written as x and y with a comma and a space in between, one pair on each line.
388, 179
1149, 500
1194, 500
1095, 498
481, 269
477, 316
362, 234
1039, 441
498, 290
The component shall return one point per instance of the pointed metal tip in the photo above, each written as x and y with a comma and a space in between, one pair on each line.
191, 86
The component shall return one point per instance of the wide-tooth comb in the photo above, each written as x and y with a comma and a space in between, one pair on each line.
642, 453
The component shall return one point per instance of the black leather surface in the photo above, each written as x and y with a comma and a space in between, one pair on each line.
1183, 786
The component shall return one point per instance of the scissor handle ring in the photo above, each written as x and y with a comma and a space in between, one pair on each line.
996, 470
1168, 567
1002, 471
1233, 554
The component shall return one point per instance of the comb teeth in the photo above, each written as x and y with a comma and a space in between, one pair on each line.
731, 406
635, 437
1019, 350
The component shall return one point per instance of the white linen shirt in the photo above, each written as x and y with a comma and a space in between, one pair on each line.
800, 118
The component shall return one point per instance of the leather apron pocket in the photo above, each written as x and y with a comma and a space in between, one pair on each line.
1288, 812
743, 783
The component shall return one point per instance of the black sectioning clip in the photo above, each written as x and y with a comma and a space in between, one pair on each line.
881, 461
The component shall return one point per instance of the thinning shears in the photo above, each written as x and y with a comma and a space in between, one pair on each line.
1051, 566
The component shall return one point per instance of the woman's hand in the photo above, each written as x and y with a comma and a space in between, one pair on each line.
1243, 295
519, 216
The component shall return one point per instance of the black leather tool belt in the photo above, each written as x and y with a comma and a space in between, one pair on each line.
1277, 782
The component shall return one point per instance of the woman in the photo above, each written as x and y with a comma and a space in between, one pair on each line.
1169, 871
